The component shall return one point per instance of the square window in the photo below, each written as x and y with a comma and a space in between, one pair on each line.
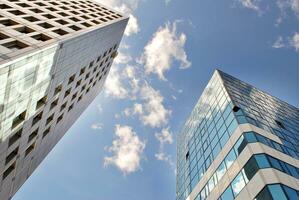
15, 137
41, 37
32, 135
24, 29
9, 170
41, 102
29, 149
3, 36
45, 25
31, 19
8, 22
60, 32
19, 119
71, 79
15, 45
58, 89
12, 155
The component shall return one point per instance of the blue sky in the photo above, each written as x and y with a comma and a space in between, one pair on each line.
123, 146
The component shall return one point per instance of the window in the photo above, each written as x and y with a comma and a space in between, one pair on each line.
240, 145
227, 194
41, 37
277, 192
31, 19
46, 132
15, 45
238, 184
60, 32
58, 89
264, 195
37, 118
59, 118
54, 104
15, 137
221, 170
71, 79
280, 124
49, 119
19, 119
41, 102
70, 107
29, 149
67, 92
12, 155
250, 168
32, 135
24, 29
82, 71
63, 106
9, 170
8, 22
230, 158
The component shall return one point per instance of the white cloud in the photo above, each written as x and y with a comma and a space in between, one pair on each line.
127, 7
127, 112
114, 86
127, 150
154, 114
138, 109
295, 6
164, 137
165, 47
122, 58
278, 43
295, 41
132, 27
97, 126
251, 4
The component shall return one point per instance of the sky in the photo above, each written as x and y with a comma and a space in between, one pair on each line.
123, 147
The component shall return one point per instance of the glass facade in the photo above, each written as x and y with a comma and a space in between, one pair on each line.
225, 103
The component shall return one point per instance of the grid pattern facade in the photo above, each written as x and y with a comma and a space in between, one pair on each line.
46, 85
31, 24
207, 158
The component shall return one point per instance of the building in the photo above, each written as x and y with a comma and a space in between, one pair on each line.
238, 143
54, 59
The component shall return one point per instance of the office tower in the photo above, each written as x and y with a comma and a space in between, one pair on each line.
54, 59
238, 143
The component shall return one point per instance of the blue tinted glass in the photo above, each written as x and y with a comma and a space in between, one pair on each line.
224, 139
277, 192
293, 171
238, 184
232, 127
230, 158
262, 161
217, 149
262, 139
220, 171
250, 137
242, 119
264, 195
227, 194
291, 193
275, 163
240, 145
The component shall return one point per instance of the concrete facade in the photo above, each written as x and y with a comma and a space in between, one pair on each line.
54, 59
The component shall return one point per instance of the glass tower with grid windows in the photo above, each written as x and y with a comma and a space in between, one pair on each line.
54, 59
238, 143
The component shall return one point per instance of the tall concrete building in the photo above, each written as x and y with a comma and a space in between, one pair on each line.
238, 143
54, 59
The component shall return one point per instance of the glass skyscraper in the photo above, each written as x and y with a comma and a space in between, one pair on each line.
54, 60
238, 143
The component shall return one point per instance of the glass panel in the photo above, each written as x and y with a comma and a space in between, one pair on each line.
230, 158
250, 137
277, 192
264, 195
262, 161
238, 184
250, 168
292, 194
227, 194
221, 171
240, 145
275, 163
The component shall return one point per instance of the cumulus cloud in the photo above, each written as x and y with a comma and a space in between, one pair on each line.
278, 43
165, 46
127, 150
122, 58
114, 86
132, 27
164, 136
97, 126
295, 41
154, 114
127, 7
